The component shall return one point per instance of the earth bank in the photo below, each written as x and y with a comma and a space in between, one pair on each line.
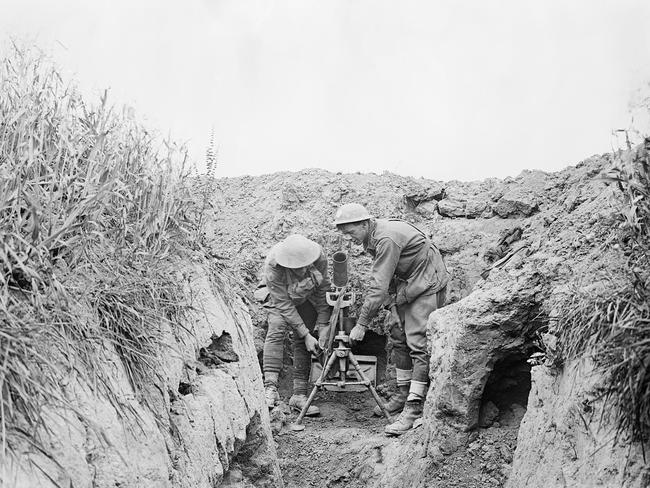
205, 424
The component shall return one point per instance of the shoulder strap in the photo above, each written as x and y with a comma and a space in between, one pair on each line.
412, 225
419, 230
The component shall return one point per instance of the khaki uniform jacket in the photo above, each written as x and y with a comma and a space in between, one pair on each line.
279, 279
402, 254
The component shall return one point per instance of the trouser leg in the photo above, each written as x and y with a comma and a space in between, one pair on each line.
273, 346
416, 315
401, 357
301, 357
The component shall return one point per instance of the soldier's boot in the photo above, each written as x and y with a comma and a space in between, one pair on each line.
297, 403
395, 403
412, 411
271, 389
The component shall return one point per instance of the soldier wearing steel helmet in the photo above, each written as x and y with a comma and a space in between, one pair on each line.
295, 275
407, 271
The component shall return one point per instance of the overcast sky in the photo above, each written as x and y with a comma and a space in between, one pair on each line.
446, 89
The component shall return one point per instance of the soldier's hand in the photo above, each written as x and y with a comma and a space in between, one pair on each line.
311, 344
357, 333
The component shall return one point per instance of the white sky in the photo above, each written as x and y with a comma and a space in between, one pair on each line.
446, 89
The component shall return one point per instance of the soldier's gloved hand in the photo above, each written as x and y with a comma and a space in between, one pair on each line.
311, 344
357, 333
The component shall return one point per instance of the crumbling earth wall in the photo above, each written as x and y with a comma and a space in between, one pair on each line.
567, 429
564, 439
515, 247
206, 425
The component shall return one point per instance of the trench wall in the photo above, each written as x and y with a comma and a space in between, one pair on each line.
207, 419
567, 430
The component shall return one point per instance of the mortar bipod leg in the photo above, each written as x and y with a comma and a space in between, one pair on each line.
368, 383
297, 425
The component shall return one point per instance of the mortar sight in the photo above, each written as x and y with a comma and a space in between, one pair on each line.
340, 269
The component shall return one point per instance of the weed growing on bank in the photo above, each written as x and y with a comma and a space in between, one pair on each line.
94, 219
612, 326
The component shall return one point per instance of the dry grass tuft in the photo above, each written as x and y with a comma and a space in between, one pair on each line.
612, 326
94, 215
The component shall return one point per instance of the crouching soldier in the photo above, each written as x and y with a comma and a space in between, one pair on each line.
404, 257
295, 275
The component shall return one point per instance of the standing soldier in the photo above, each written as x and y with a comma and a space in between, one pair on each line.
295, 275
408, 263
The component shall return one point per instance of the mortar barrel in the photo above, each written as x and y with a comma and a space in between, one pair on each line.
340, 269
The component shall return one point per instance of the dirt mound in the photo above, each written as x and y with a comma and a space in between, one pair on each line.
474, 224
346, 446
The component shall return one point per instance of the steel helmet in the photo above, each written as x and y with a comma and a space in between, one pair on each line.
351, 212
296, 251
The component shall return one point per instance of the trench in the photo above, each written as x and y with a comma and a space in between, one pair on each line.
346, 446
334, 448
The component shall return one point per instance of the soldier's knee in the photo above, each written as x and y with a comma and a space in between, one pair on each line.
417, 344
400, 348
275, 333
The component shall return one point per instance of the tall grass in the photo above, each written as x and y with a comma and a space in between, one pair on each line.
612, 326
95, 216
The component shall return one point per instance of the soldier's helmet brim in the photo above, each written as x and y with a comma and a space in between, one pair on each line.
351, 212
296, 251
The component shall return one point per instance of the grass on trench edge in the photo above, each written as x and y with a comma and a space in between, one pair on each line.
611, 325
95, 218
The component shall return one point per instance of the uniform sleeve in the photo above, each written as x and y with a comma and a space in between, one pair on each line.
383, 267
276, 283
319, 299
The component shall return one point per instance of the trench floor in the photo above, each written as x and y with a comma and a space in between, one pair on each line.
345, 447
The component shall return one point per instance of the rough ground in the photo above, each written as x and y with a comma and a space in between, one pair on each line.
334, 447
345, 446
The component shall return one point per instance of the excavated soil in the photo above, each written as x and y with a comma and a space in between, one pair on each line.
345, 446
329, 452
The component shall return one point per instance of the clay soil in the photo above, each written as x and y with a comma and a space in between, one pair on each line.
345, 447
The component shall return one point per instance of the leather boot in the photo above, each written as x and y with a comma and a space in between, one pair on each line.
298, 401
272, 396
395, 403
412, 411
